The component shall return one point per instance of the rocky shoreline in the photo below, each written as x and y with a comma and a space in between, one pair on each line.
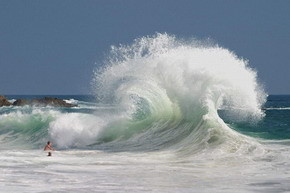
46, 101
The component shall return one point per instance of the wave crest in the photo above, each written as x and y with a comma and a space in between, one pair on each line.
177, 87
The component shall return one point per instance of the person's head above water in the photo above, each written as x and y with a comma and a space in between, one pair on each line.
48, 142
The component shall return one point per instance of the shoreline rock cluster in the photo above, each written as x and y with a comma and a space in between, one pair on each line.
46, 101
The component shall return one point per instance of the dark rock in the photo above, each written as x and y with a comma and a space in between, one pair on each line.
4, 102
46, 101
21, 102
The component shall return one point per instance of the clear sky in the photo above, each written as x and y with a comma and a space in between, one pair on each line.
52, 47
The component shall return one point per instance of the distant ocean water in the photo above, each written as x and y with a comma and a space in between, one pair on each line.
276, 123
167, 116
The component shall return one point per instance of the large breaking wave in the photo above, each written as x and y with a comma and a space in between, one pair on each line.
164, 94
169, 91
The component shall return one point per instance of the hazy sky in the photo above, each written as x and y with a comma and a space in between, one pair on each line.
51, 47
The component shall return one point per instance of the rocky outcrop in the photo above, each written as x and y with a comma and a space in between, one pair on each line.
4, 102
49, 101
46, 101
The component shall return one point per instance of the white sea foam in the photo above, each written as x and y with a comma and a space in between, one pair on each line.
75, 130
71, 101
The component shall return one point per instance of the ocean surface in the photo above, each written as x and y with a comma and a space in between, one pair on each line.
166, 115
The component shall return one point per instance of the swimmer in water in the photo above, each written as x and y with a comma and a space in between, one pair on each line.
49, 148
